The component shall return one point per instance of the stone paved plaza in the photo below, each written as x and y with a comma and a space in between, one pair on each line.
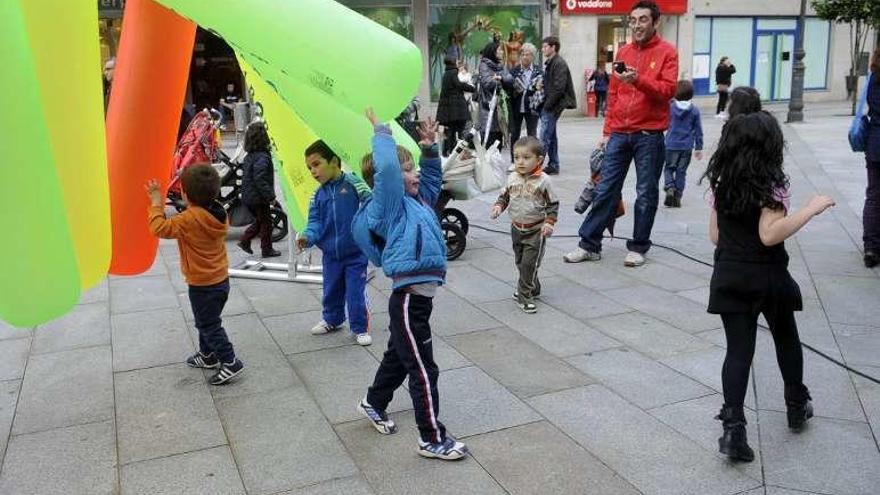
610, 388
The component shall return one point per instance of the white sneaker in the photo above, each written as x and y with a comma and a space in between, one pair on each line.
633, 259
580, 254
364, 339
323, 327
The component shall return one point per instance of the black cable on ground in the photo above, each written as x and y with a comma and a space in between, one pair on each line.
706, 263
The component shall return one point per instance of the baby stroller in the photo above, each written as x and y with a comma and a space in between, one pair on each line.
200, 143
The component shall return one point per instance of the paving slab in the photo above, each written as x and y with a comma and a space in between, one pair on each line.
236, 304
495, 262
8, 399
453, 315
521, 366
13, 358
81, 380
266, 367
538, 458
98, 293
164, 411
349, 486
704, 366
474, 285
667, 277
471, 402
639, 379
576, 300
392, 466
836, 262
842, 456
869, 394
205, 471
291, 332
8, 331
137, 294
860, 345
85, 326
677, 311
597, 276
446, 357
558, 333
849, 300
62, 461
338, 379
695, 419
637, 446
270, 298
143, 340
281, 441
648, 335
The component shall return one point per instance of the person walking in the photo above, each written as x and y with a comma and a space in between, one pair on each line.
871, 211
452, 109
490, 75
558, 96
520, 86
601, 80
638, 113
723, 79
258, 189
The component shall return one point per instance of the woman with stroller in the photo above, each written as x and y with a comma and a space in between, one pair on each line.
490, 75
452, 110
258, 189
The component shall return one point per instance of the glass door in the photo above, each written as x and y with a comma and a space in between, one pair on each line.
784, 58
774, 55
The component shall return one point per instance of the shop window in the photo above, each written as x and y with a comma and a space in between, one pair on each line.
462, 28
816, 34
394, 17
777, 24
703, 35
732, 37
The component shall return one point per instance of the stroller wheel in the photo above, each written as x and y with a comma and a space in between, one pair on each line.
452, 215
456, 240
279, 223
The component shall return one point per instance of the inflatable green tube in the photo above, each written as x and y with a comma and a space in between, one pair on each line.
73, 104
39, 273
320, 45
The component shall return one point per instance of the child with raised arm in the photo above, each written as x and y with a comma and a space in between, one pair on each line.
201, 237
750, 221
533, 208
398, 230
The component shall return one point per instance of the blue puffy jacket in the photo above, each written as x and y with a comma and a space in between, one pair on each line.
331, 211
399, 232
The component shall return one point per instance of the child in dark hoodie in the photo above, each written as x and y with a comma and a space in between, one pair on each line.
201, 234
685, 135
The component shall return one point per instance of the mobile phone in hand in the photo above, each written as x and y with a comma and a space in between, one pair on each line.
619, 67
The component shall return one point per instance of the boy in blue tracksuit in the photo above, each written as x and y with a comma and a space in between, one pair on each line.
344, 265
685, 136
399, 231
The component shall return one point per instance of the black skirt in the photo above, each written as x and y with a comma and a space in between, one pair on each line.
742, 287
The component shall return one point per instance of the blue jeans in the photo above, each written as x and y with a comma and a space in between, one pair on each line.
207, 304
676, 169
647, 150
548, 139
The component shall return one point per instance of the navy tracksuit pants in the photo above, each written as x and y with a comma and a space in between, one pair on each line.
410, 353
345, 284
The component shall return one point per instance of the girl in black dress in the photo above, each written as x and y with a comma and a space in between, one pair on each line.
750, 220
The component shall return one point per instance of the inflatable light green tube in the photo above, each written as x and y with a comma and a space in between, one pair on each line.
320, 45
39, 279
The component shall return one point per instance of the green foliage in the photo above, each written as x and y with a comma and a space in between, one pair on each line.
848, 11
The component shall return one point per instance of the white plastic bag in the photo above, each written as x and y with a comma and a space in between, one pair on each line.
490, 169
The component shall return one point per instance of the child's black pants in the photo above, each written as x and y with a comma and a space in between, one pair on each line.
207, 304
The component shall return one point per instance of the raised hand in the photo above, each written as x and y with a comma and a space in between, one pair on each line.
371, 116
153, 191
428, 132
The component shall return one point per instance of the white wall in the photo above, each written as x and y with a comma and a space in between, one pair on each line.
577, 35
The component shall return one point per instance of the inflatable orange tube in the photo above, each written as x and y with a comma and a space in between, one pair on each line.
149, 86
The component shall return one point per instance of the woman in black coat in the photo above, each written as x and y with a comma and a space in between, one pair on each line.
490, 74
723, 78
258, 189
452, 109
871, 212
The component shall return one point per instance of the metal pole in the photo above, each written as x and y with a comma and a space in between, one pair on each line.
796, 102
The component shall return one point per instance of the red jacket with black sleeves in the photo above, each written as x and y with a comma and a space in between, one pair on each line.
643, 106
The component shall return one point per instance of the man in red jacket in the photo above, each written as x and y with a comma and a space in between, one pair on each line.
638, 113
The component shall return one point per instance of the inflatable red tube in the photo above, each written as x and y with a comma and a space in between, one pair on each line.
149, 86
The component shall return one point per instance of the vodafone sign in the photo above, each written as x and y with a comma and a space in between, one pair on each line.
602, 7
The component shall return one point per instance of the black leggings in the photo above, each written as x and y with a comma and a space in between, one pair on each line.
741, 331
722, 101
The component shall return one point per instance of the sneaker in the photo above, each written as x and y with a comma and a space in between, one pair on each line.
670, 197
323, 327
516, 296
380, 420
364, 339
528, 307
246, 247
448, 450
633, 259
272, 253
199, 360
227, 372
580, 254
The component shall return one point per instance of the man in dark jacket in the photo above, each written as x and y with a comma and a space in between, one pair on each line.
520, 85
558, 95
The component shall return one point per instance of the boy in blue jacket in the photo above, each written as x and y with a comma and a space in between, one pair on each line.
685, 135
399, 231
344, 266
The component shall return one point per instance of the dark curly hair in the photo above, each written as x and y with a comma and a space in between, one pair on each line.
256, 138
746, 168
743, 99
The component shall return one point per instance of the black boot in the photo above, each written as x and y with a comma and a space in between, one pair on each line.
676, 201
670, 197
734, 443
798, 405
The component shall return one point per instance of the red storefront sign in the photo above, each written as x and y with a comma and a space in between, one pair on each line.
604, 7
